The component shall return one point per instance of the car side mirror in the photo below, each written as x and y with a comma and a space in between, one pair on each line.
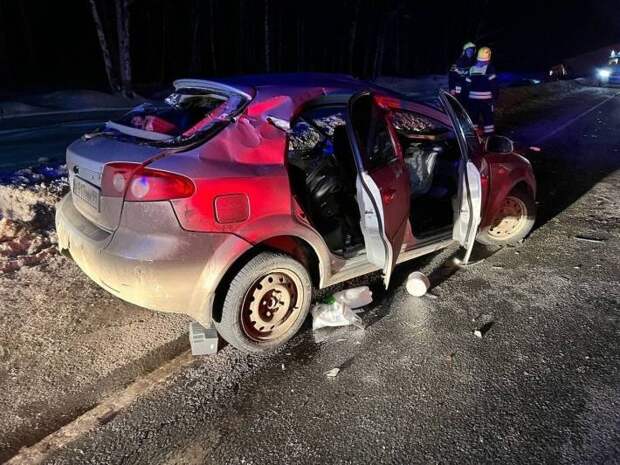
499, 144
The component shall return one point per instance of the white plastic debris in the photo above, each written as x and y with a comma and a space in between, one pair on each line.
478, 333
417, 284
355, 297
334, 314
332, 373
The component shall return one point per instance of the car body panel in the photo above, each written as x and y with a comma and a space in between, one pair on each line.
169, 270
506, 171
382, 191
469, 200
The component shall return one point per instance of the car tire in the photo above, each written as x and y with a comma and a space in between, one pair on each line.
513, 222
266, 303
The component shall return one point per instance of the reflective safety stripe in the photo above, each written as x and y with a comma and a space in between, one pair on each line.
457, 89
476, 95
489, 129
468, 80
492, 76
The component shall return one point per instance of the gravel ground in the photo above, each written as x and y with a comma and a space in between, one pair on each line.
417, 386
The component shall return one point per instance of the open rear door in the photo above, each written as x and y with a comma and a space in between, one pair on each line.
469, 202
382, 182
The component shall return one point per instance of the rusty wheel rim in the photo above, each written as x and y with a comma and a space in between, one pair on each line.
510, 220
272, 305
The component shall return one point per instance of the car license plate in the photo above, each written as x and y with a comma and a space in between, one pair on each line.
87, 192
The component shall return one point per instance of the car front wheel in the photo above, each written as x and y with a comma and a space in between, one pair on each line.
266, 303
513, 221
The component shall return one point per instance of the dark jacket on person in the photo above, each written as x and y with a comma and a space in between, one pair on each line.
481, 82
458, 72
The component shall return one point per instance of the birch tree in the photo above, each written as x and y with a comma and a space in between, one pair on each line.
124, 55
105, 49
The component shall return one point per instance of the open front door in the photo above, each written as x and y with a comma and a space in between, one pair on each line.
467, 215
382, 182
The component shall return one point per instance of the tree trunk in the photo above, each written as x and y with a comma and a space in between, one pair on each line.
124, 55
379, 51
212, 36
196, 49
164, 47
6, 73
281, 39
300, 43
397, 45
105, 50
352, 35
241, 36
266, 28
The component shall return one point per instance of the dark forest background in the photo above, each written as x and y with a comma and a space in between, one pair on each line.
147, 43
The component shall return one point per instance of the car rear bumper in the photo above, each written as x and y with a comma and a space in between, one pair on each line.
149, 260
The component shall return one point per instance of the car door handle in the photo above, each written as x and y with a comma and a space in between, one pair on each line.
388, 195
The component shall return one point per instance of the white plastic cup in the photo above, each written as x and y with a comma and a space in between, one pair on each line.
417, 284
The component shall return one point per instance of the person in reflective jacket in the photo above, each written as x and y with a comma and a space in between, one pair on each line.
481, 91
460, 69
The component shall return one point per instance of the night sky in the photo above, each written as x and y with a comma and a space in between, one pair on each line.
46, 45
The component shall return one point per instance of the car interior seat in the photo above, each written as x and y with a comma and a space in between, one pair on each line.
421, 160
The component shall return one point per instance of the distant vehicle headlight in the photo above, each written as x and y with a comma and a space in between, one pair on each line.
604, 73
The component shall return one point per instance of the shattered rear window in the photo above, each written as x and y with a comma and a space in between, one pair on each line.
186, 116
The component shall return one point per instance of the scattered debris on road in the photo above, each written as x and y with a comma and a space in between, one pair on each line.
589, 239
337, 309
333, 314
417, 284
203, 341
355, 298
483, 330
332, 373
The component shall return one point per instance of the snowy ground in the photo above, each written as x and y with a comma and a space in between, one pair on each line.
64, 343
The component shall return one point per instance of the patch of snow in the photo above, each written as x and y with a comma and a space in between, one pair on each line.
27, 206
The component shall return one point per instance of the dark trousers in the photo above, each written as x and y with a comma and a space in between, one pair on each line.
462, 99
482, 110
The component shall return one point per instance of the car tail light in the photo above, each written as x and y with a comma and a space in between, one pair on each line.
140, 184
116, 177
232, 208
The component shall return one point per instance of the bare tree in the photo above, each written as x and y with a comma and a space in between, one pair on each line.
266, 29
105, 50
353, 34
241, 36
379, 50
300, 43
124, 55
196, 55
212, 35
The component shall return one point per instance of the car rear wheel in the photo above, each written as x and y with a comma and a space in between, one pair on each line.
513, 221
266, 303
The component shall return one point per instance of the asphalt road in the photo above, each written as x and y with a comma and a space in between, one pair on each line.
416, 386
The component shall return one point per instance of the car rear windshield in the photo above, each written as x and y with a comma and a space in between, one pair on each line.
186, 116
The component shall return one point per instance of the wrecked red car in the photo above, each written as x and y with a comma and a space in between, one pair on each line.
257, 189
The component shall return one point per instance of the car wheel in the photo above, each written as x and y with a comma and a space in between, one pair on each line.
266, 303
513, 221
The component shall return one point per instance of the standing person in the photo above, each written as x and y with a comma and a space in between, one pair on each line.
481, 91
459, 70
